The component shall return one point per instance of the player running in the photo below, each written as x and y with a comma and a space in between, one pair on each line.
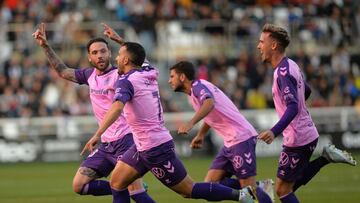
137, 96
300, 134
118, 138
237, 156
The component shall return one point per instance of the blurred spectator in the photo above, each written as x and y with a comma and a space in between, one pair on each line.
325, 43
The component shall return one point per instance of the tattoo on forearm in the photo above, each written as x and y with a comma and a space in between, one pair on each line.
57, 64
88, 172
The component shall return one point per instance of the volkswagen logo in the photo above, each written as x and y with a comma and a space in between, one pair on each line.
158, 172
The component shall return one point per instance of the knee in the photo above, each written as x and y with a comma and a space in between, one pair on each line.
209, 179
77, 187
117, 184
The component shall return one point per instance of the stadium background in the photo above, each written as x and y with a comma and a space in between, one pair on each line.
47, 119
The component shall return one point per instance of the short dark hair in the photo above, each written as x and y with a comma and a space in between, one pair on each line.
185, 67
137, 52
98, 39
279, 34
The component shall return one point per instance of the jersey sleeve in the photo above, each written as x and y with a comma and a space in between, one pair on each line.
287, 86
82, 75
288, 91
201, 92
124, 91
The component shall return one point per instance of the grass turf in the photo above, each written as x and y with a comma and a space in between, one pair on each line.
51, 183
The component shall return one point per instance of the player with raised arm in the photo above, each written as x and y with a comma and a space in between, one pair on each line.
300, 134
137, 96
237, 156
100, 78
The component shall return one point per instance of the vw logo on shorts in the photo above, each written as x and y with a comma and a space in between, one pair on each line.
237, 161
158, 172
284, 159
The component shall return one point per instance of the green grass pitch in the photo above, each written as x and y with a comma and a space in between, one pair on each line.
51, 183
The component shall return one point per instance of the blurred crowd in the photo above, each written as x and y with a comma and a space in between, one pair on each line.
334, 79
28, 87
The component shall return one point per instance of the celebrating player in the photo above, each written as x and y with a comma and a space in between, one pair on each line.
237, 157
137, 95
300, 134
117, 138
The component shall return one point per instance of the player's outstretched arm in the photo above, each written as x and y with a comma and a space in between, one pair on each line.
204, 110
111, 34
55, 62
110, 117
198, 140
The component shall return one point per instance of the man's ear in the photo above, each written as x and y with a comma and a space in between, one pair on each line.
274, 45
182, 77
126, 60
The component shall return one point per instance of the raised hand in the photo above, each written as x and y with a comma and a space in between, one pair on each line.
40, 35
110, 33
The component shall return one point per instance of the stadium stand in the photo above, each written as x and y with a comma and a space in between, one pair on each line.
220, 36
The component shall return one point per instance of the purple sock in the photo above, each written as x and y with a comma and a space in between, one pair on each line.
142, 197
289, 198
96, 188
312, 169
213, 192
262, 196
231, 182
121, 196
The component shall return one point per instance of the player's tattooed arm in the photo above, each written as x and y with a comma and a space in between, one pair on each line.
55, 62
58, 65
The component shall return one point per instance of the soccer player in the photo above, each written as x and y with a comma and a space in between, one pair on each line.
300, 134
137, 95
117, 138
237, 156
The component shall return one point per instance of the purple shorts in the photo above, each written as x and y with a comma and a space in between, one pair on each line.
160, 160
238, 160
105, 157
294, 160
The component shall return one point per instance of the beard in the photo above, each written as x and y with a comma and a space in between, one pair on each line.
120, 69
179, 88
101, 67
